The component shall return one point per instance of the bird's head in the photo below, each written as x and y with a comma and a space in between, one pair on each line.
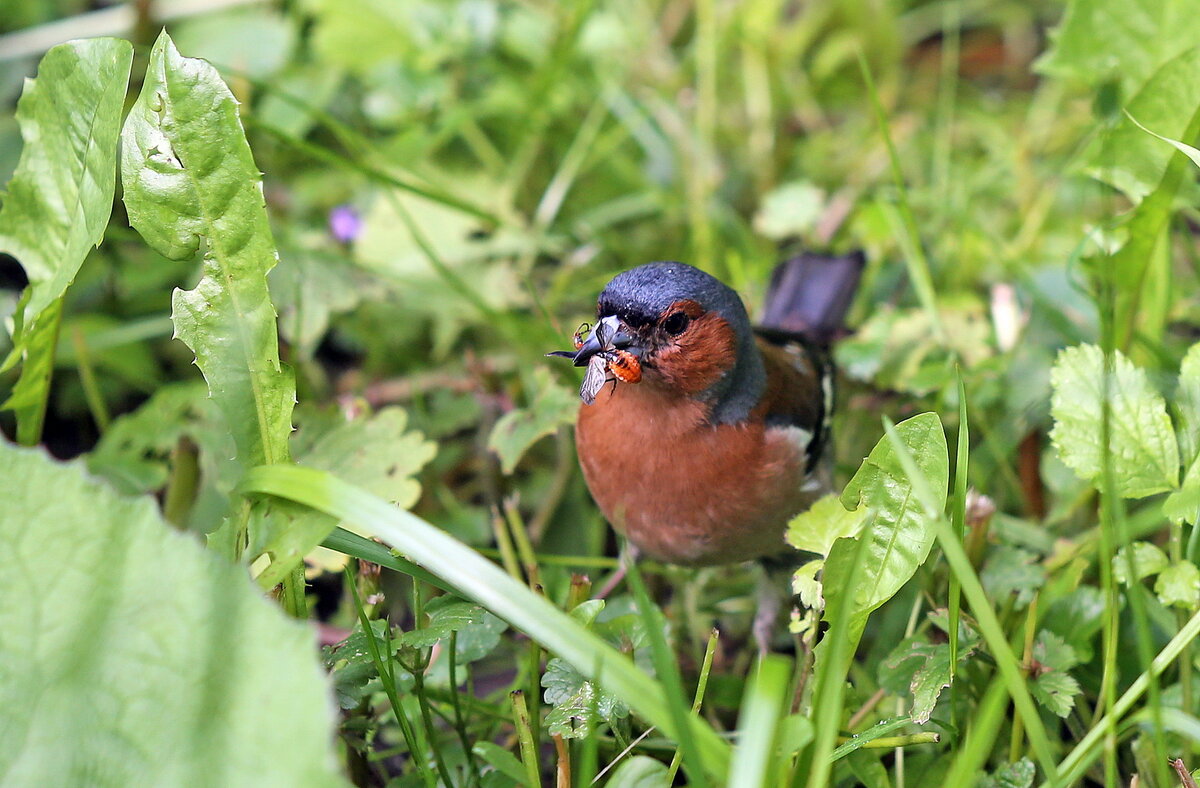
689, 331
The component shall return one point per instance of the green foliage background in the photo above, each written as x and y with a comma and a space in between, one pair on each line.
444, 188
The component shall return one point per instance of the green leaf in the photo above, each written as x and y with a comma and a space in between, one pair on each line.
191, 184
789, 210
1010, 570
1076, 618
1179, 585
446, 615
1130, 159
816, 529
1051, 651
60, 198
1056, 691
308, 287
898, 531
1014, 775
553, 406
188, 681
1144, 453
639, 771
500, 759
1148, 560
1101, 40
578, 703
377, 452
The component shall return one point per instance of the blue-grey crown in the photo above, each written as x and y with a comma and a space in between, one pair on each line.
640, 295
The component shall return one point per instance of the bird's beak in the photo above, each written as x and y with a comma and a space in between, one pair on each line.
606, 336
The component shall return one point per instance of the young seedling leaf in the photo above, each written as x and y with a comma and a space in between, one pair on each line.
1179, 585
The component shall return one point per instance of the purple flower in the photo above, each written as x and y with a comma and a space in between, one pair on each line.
344, 223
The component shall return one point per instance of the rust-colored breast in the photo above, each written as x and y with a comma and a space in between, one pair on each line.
683, 490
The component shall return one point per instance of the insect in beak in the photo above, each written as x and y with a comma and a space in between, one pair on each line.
606, 338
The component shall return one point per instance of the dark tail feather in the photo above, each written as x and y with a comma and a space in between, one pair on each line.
810, 295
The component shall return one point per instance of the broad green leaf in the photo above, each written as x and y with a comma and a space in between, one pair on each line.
183, 678
922, 670
60, 198
191, 185
1145, 457
898, 531
1102, 40
553, 405
816, 529
1179, 585
1130, 159
1147, 559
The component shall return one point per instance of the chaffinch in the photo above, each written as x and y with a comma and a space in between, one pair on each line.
702, 436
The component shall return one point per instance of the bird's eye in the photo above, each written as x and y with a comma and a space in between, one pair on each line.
676, 323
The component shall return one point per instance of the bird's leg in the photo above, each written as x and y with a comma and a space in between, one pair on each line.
629, 554
770, 600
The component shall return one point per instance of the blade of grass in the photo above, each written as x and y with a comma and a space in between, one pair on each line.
668, 674
958, 520
989, 624
914, 258
698, 701
764, 704
364, 549
525, 737
1077, 761
483, 582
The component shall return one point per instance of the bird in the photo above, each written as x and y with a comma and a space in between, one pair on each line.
701, 436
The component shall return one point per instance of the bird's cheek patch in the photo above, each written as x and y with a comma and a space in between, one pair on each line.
700, 356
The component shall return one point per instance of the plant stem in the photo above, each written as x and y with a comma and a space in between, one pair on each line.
525, 737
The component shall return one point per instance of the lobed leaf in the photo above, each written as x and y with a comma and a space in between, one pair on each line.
183, 678
553, 405
1145, 456
191, 185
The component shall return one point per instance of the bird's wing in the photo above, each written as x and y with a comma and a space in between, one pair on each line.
799, 391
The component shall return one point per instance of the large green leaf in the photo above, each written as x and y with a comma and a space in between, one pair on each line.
1125, 40
1145, 457
154, 660
60, 197
190, 185
1129, 158
898, 531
